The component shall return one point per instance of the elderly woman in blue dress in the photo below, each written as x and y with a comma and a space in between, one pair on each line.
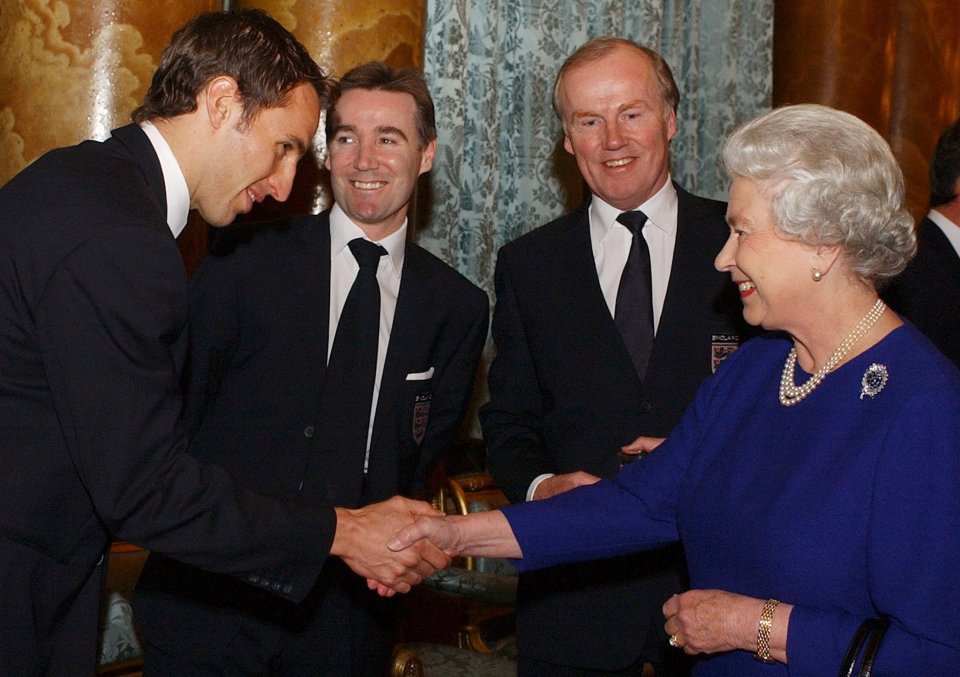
815, 479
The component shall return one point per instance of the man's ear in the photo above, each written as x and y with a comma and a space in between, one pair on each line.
426, 157
221, 100
671, 123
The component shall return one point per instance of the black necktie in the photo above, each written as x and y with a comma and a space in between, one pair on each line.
634, 309
348, 383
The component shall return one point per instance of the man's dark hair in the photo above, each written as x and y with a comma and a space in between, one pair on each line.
378, 75
945, 168
249, 46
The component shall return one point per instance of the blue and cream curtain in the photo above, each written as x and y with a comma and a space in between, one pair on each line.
501, 169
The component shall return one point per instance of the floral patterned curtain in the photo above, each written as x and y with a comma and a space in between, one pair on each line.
501, 169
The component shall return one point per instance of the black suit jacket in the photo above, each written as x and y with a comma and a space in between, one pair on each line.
259, 319
93, 307
928, 292
564, 396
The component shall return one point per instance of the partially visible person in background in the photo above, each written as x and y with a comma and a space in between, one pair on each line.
928, 292
815, 480
282, 394
93, 311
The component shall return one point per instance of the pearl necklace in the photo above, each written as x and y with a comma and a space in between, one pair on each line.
790, 393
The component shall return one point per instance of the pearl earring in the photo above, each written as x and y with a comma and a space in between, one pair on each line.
816, 274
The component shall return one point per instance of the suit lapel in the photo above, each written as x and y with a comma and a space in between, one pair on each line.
691, 272
569, 284
574, 258
686, 270
314, 278
405, 337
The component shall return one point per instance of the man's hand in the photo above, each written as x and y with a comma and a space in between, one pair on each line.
361, 542
558, 484
642, 445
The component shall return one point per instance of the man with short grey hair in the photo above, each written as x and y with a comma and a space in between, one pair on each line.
606, 321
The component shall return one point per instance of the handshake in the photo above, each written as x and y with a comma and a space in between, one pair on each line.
396, 543
362, 538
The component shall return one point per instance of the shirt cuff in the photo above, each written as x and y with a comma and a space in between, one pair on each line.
536, 483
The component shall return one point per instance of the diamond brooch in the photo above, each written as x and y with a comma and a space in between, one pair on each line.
874, 378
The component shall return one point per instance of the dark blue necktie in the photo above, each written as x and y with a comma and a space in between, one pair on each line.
348, 383
634, 309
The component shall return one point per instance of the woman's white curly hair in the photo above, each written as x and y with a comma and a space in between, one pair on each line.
833, 181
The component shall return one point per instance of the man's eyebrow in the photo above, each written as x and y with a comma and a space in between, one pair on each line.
635, 103
298, 143
386, 129
383, 129
343, 128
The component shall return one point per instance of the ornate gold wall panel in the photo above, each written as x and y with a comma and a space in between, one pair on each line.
341, 34
896, 64
74, 69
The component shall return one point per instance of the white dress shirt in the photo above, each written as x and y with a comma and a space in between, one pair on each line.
611, 242
175, 184
343, 271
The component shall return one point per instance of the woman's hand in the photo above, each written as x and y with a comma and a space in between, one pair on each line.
482, 534
441, 531
711, 621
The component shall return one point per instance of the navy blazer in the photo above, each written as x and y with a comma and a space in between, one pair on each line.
564, 396
93, 307
928, 292
259, 319
260, 324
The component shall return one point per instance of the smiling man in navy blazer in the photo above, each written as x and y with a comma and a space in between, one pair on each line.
565, 393
264, 314
93, 312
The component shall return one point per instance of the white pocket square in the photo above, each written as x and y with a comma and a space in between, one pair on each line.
421, 376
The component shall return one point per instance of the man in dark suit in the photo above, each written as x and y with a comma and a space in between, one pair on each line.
570, 389
928, 292
93, 304
264, 316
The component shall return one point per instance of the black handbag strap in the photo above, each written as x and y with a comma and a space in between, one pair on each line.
873, 645
869, 634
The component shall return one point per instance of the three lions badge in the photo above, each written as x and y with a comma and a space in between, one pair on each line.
421, 412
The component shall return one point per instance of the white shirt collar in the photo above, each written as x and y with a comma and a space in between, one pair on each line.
659, 209
175, 184
342, 230
949, 228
